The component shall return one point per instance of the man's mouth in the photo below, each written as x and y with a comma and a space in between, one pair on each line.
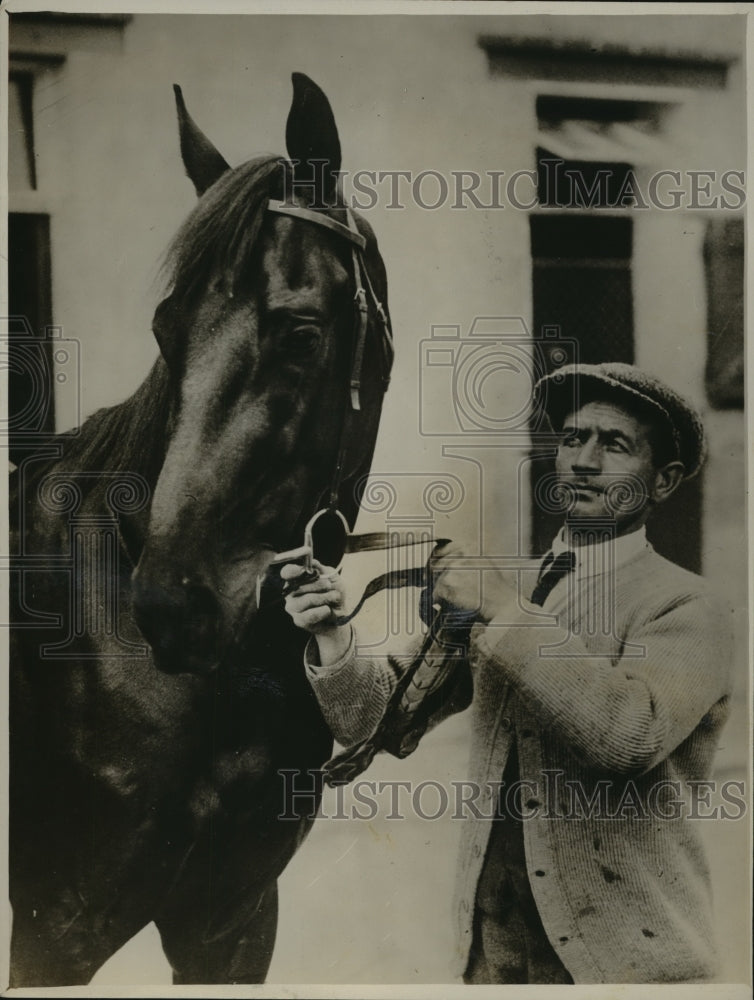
584, 490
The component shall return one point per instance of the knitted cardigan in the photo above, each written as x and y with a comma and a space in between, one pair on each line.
616, 700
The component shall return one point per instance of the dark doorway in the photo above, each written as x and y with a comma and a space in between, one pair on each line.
582, 286
31, 413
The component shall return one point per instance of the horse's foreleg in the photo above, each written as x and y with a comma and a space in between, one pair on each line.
237, 951
46, 953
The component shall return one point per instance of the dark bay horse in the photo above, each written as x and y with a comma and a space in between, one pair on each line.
154, 705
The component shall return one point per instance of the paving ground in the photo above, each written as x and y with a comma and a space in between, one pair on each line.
369, 902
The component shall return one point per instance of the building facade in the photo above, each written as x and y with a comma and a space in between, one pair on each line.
542, 187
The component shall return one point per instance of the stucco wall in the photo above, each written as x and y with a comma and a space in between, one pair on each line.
409, 93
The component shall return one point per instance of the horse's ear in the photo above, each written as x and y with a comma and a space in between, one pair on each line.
204, 165
311, 138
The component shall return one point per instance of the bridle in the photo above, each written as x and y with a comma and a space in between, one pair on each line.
364, 290
395, 731
364, 295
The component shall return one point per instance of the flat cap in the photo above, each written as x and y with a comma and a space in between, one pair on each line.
569, 388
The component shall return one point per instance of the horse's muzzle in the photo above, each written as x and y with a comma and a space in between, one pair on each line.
182, 624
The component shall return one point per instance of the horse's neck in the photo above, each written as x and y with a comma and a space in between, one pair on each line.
116, 455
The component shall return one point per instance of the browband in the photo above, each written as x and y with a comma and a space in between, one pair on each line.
320, 219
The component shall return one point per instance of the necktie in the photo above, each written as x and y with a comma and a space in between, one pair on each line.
553, 570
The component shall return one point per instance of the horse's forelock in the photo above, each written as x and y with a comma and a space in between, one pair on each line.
221, 233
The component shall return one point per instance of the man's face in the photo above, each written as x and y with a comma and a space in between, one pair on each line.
605, 460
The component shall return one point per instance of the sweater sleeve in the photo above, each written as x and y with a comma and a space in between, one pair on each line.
627, 714
352, 693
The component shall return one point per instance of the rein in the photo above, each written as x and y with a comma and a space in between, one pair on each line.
423, 682
428, 681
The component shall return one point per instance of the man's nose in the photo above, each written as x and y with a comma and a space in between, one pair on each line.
588, 458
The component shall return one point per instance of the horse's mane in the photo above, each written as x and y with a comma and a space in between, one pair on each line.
220, 233
127, 437
219, 236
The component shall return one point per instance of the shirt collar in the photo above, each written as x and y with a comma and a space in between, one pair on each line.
601, 556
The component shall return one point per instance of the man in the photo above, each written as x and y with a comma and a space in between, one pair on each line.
598, 704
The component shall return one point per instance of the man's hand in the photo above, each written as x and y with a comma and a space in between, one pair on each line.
483, 592
314, 605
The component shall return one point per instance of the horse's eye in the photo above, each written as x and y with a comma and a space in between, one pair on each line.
301, 341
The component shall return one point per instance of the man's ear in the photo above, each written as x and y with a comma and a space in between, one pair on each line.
667, 480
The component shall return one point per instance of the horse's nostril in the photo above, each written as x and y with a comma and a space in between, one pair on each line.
202, 607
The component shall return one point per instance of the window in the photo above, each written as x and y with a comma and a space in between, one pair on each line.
22, 175
724, 273
581, 285
29, 361
590, 134
29, 353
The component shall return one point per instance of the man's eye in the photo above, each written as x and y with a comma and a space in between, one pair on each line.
569, 441
617, 446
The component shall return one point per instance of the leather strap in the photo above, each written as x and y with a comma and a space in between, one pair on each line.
362, 322
361, 279
377, 541
393, 580
424, 683
319, 219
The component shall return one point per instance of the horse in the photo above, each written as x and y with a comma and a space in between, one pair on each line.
158, 704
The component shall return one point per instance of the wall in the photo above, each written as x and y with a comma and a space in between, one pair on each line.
409, 93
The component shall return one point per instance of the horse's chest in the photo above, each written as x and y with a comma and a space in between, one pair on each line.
231, 779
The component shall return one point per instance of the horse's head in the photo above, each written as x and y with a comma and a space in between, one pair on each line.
258, 334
